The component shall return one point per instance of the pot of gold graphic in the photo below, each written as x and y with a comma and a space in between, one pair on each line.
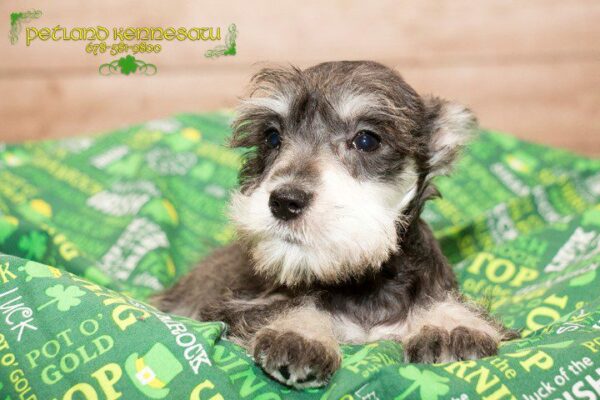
152, 373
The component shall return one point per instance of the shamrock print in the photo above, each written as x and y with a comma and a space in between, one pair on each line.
37, 270
65, 298
34, 245
431, 385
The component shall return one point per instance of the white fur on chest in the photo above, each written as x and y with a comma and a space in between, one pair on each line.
348, 331
448, 314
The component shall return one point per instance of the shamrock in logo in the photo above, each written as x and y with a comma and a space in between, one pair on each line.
65, 298
34, 245
127, 65
431, 385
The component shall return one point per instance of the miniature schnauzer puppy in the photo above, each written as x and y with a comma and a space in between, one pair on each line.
330, 246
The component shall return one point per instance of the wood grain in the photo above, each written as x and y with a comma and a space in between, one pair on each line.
530, 68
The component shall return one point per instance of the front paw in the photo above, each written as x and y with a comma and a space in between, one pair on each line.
434, 345
295, 360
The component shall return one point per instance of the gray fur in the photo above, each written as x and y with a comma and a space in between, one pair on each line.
397, 294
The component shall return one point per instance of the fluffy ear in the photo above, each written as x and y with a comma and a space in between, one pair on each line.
452, 126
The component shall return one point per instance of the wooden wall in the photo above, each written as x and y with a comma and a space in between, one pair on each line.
528, 67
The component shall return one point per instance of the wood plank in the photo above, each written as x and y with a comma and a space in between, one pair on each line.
554, 104
56, 107
425, 32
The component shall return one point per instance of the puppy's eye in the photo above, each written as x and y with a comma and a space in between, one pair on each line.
272, 138
366, 141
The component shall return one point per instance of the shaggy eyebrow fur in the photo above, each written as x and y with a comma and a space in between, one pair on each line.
395, 109
355, 262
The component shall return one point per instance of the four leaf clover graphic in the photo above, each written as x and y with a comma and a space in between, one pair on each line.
431, 385
34, 245
128, 65
65, 298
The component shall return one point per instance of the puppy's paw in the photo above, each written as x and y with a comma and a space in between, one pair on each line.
295, 360
435, 345
471, 344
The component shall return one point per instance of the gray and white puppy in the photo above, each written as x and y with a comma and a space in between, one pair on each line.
331, 248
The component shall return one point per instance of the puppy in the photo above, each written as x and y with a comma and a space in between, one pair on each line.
330, 247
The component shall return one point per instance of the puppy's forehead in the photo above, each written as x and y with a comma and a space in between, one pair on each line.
347, 89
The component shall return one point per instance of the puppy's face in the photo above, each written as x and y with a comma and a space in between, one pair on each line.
340, 154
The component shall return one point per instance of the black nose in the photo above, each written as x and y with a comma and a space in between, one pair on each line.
288, 203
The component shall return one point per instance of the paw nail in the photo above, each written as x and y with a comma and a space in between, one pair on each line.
285, 372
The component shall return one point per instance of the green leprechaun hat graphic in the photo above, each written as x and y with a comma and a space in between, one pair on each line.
153, 372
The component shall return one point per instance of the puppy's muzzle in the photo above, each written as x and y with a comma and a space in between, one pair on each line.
288, 202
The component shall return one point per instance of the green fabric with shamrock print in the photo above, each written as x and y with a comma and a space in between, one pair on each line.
90, 227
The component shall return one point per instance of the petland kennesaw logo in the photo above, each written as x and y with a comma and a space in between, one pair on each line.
122, 40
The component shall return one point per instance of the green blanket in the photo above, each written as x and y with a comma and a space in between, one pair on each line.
90, 227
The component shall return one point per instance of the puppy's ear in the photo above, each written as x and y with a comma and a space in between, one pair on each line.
452, 125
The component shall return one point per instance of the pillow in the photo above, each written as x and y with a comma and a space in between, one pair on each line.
91, 226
